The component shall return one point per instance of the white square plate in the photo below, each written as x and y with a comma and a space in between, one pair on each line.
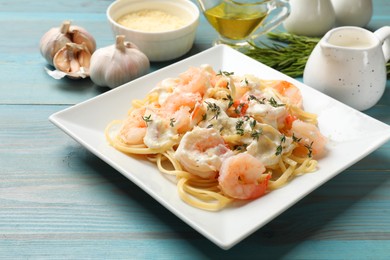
352, 135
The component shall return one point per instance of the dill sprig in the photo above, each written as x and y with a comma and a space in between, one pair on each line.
287, 53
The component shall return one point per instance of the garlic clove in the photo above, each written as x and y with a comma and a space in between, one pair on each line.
117, 64
56, 38
80, 35
74, 60
53, 40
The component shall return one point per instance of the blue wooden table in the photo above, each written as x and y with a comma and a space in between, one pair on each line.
59, 201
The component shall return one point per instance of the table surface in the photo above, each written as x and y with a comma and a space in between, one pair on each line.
58, 200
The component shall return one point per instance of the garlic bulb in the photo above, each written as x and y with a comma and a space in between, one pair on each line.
74, 60
56, 38
117, 64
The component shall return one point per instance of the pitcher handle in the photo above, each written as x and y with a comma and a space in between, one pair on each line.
383, 34
283, 6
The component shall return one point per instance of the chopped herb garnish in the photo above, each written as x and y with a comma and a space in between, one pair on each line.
225, 73
172, 122
213, 108
253, 123
231, 102
256, 134
238, 109
147, 119
240, 147
296, 139
252, 97
210, 126
279, 149
239, 127
310, 149
274, 103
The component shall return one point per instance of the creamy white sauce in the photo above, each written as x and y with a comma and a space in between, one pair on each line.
158, 134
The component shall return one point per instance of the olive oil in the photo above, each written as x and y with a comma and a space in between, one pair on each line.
234, 22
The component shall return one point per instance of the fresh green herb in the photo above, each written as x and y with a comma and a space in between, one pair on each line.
256, 134
240, 147
239, 127
253, 123
231, 102
147, 119
172, 122
287, 52
209, 126
271, 101
274, 103
296, 139
310, 149
238, 109
225, 73
279, 149
213, 108
252, 97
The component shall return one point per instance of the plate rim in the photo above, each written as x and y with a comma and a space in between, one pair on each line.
58, 120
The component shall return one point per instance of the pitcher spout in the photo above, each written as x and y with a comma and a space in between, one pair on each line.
350, 37
345, 41
349, 65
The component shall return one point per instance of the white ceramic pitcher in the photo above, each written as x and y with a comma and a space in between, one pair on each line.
349, 64
352, 13
310, 17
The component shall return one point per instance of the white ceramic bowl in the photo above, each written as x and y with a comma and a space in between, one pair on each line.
158, 46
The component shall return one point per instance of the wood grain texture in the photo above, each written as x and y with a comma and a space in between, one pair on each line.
59, 201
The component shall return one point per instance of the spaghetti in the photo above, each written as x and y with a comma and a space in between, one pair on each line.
223, 137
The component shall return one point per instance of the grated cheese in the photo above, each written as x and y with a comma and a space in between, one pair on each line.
151, 21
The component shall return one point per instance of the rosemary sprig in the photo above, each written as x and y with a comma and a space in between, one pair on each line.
287, 52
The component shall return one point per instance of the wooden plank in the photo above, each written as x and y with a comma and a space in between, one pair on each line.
59, 201
74, 196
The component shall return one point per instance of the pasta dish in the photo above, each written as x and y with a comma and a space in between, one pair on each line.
223, 137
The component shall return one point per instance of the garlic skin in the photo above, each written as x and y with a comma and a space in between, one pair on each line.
74, 60
117, 64
56, 38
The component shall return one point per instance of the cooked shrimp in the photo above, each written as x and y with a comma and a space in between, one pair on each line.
242, 177
265, 107
267, 143
178, 109
181, 120
245, 84
290, 91
309, 138
197, 114
216, 80
134, 128
201, 152
178, 99
194, 80
159, 133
